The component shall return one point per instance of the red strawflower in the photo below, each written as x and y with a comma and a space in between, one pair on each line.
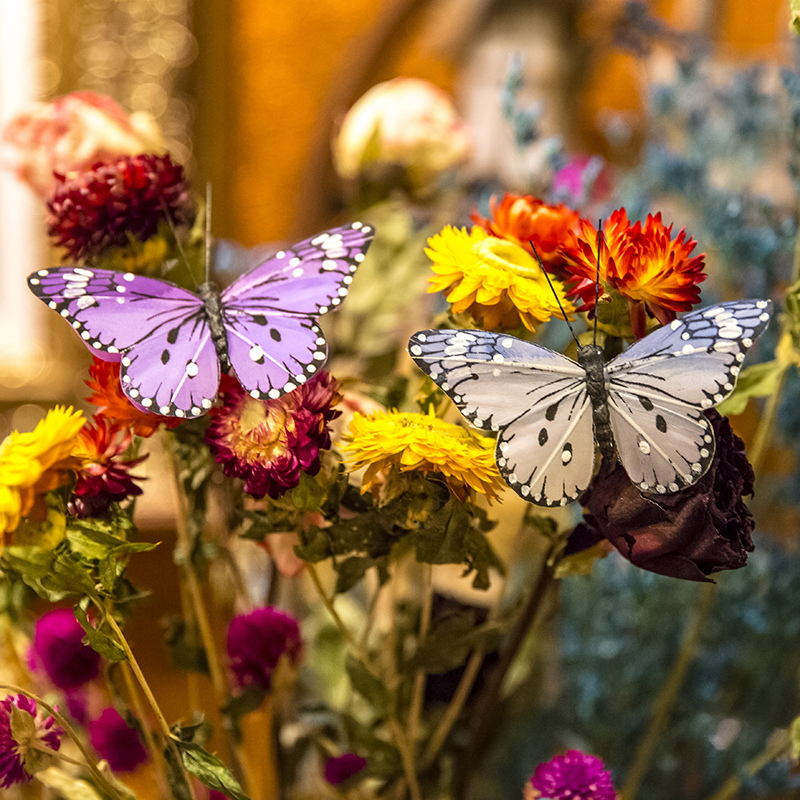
523, 219
103, 477
112, 403
269, 442
655, 273
115, 201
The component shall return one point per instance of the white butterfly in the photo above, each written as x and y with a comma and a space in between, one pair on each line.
549, 409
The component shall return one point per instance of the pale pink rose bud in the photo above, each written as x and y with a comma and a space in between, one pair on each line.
71, 134
407, 122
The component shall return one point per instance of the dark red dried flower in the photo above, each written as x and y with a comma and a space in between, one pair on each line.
256, 642
269, 442
689, 534
104, 476
117, 741
341, 768
58, 649
115, 201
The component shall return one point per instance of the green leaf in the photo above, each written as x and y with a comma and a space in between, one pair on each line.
209, 770
758, 380
23, 731
447, 644
185, 651
367, 685
99, 642
351, 571
308, 494
794, 15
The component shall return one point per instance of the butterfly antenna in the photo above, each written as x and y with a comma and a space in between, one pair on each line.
178, 244
597, 280
553, 289
208, 231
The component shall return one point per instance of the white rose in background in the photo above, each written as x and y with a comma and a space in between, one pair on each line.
72, 133
407, 123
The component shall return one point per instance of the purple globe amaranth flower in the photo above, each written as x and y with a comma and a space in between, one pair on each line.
58, 650
341, 768
256, 642
268, 443
117, 742
572, 776
689, 534
18, 760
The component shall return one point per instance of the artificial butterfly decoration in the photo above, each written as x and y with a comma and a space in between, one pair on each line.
172, 342
644, 406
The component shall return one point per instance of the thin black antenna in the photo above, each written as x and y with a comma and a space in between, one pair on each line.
208, 231
178, 244
597, 281
553, 290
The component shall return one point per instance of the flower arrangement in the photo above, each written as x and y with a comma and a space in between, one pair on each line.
404, 620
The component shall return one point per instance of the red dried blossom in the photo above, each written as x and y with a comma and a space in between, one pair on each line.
269, 442
115, 201
523, 219
652, 271
104, 476
112, 403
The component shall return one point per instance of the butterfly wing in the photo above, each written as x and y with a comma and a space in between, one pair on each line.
535, 398
270, 313
658, 388
156, 329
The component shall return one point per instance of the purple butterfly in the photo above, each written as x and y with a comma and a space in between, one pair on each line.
172, 342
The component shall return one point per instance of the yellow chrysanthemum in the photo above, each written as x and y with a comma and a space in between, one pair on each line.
495, 280
35, 462
424, 443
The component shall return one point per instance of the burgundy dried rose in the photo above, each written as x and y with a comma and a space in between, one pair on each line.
256, 642
268, 443
20, 758
341, 768
114, 201
572, 776
689, 534
117, 741
58, 649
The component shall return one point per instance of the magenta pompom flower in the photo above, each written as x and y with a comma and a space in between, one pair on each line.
115, 200
268, 443
19, 756
117, 742
256, 642
572, 776
341, 768
58, 650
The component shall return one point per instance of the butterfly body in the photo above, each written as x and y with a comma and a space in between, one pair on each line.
172, 343
644, 406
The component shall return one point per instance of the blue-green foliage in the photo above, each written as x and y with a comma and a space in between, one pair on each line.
618, 634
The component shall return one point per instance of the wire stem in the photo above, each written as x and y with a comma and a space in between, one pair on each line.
666, 698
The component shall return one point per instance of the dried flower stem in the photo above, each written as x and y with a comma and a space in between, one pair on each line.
70, 731
484, 717
198, 606
779, 745
763, 434
453, 710
418, 692
142, 681
156, 756
669, 691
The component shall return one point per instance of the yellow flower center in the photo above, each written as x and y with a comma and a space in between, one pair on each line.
507, 256
255, 435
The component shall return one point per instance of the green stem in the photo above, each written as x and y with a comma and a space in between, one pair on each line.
666, 698
107, 787
418, 692
766, 425
779, 745
142, 681
484, 716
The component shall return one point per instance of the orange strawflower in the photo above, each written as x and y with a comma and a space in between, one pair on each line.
655, 273
523, 218
112, 403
